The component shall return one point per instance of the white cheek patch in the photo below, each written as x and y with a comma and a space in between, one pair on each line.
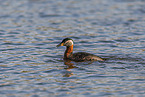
69, 43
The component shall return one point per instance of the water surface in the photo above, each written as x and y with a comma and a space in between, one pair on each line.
32, 66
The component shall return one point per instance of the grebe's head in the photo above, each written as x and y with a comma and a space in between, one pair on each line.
66, 42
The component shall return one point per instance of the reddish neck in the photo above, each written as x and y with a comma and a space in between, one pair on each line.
68, 51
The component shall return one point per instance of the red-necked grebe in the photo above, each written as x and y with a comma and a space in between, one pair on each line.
79, 56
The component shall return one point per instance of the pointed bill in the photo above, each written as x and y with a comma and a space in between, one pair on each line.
61, 44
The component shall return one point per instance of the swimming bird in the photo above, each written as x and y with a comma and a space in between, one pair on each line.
79, 56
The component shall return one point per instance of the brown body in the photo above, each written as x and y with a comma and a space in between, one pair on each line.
80, 56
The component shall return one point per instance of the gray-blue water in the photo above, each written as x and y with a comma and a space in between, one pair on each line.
32, 66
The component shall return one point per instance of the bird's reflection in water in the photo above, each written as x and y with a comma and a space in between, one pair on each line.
69, 65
